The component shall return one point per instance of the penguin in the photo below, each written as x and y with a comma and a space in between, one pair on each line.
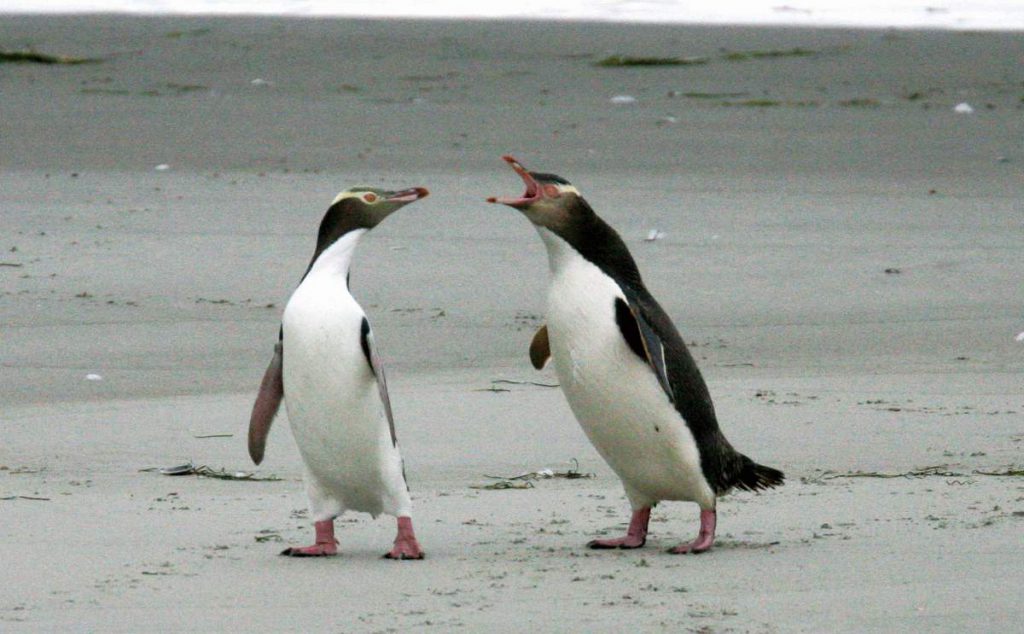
326, 369
624, 369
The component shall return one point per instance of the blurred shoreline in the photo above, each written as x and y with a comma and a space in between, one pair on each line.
998, 15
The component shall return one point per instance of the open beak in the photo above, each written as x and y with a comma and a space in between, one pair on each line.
407, 195
532, 194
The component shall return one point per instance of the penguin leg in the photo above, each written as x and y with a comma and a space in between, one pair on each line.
324, 506
325, 546
406, 546
636, 535
705, 538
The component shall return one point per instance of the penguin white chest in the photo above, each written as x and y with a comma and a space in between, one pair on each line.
333, 405
613, 393
333, 401
324, 366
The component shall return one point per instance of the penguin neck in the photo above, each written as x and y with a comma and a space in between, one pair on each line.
560, 252
598, 244
336, 259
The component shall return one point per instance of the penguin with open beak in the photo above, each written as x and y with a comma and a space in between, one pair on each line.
326, 369
624, 369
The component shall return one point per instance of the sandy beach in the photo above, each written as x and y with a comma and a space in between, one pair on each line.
842, 249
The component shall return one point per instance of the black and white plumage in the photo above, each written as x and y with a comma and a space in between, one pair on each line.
625, 370
326, 369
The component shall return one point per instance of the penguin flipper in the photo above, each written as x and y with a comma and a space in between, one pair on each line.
540, 348
268, 401
642, 339
377, 368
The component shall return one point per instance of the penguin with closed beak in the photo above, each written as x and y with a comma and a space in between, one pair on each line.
624, 369
326, 369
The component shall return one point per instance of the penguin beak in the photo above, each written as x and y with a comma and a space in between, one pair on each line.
407, 196
533, 190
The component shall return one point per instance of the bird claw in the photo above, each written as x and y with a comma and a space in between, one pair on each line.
705, 538
405, 549
635, 537
406, 546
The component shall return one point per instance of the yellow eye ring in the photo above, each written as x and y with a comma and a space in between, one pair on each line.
370, 198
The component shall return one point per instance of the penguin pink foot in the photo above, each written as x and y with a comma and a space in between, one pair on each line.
636, 535
406, 546
705, 538
325, 546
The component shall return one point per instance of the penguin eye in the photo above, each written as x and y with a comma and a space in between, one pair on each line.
370, 198
552, 191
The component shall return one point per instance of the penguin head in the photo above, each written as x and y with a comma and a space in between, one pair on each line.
366, 207
363, 208
549, 201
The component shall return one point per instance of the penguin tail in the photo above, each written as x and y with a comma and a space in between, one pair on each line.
755, 477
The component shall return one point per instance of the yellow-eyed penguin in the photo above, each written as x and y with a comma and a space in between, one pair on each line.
625, 371
328, 373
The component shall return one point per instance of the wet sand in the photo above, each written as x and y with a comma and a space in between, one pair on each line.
787, 182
